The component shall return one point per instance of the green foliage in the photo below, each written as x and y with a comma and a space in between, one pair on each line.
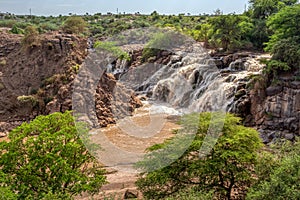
284, 44
162, 41
274, 67
47, 159
7, 23
111, 47
47, 26
202, 32
227, 166
260, 34
16, 30
74, 24
5, 192
262, 9
230, 31
287, 51
282, 180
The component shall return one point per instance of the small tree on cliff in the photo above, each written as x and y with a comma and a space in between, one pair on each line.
47, 159
74, 24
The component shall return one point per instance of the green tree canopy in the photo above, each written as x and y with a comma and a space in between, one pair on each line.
47, 158
226, 167
262, 9
284, 44
230, 31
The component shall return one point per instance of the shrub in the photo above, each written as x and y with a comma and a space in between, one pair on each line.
31, 37
112, 48
274, 67
162, 41
7, 23
74, 24
48, 26
16, 30
28, 99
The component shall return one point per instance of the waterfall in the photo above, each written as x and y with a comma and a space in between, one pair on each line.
192, 82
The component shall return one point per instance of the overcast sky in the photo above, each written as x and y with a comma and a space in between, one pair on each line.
56, 7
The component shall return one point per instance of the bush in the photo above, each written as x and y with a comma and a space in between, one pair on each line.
162, 41
31, 37
274, 67
287, 51
48, 27
227, 167
284, 182
47, 159
75, 25
112, 48
16, 30
7, 23
28, 99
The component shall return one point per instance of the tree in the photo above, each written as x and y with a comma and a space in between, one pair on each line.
227, 166
74, 24
47, 158
205, 33
229, 31
168, 40
155, 16
283, 184
284, 44
262, 9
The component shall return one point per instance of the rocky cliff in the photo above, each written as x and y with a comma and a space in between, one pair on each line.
39, 79
275, 110
272, 106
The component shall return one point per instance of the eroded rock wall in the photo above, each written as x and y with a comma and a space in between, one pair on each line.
38, 80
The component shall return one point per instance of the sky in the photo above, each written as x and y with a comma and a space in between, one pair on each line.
64, 7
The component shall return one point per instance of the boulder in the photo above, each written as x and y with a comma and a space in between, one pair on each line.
273, 90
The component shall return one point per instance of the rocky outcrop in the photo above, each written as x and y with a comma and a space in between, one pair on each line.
39, 79
275, 109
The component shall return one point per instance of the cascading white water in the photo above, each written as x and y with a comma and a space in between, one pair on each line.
194, 83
